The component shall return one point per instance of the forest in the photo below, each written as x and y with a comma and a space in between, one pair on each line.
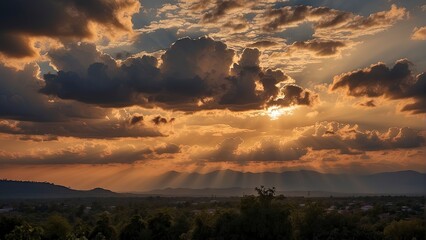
261, 216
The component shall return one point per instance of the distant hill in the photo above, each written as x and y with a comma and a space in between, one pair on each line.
234, 183
402, 182
25, 189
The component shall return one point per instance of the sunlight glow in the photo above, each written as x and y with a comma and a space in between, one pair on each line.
274, 112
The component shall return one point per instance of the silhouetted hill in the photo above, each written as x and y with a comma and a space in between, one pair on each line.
234, 183
25, 189
402, 182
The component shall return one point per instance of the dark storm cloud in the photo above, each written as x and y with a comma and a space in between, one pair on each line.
90, 153
194, 75
37, 116
378, 80
348, 140
19, 99
319, 47
99, 128
59, 19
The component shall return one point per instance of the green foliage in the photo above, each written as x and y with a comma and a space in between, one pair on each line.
261, 216
135, 230
203, 227
405, 230
7, 224
57, 228
159, 225
25, 232
103, 229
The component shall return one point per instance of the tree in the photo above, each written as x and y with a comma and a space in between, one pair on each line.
25, 232
264, 218
180, 226
159, 225
57, 228
203, 227
405, 230
7, 224
103, 229
228, 226
135, 230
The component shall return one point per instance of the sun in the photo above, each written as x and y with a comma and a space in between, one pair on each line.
275, 112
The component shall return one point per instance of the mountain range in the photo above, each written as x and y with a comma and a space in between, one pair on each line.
234, 183
26, 189
402, 182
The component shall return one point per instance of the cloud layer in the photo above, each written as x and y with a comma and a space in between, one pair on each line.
195, 74
21, 20
378, 80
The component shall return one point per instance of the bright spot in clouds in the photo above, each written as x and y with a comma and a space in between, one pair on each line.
275, 112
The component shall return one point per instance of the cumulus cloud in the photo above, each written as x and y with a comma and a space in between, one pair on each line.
194, 74
419, 33
19, 99
91, 153
21, 20
247, 75
378, 80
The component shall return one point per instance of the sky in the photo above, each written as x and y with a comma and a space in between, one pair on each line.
110, 93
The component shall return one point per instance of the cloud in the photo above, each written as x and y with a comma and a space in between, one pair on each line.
398, 82
136, 119
262, 44
228, 151
19, 99
158, 39
158, 120
195, 74
90, 153
222, 7
21, 20
318, 47
350, 139
330, 22
247, 75
419, 33
97, 128
344, 138
369, 103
